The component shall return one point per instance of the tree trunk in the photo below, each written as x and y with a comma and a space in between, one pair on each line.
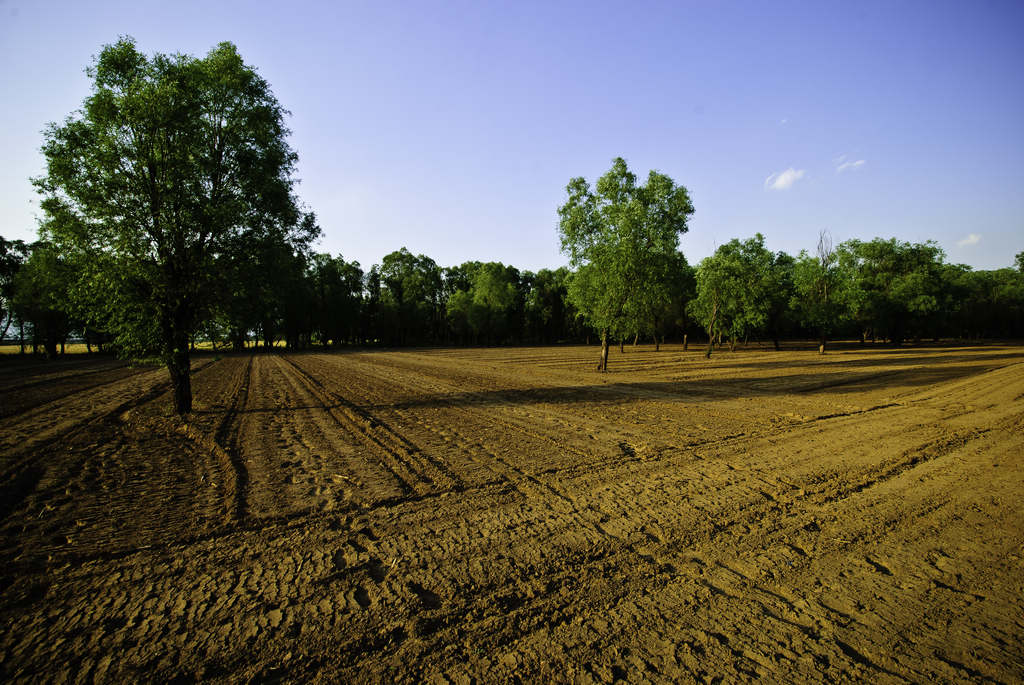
603, 364
821, 346
50, 340
175, 325
657, 343
622, 346
636, 338
775, 341
686, 342
732, 344
178, 365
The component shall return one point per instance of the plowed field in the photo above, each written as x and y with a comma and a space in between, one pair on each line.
511, 514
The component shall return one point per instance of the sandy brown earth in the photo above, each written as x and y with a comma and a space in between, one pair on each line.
511, 514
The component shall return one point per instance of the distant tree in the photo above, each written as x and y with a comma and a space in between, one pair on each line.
370, 315
779, 290
256, 275
411, 305
988, 303
40, 297
895, 285
548, 315
494, 298
338, 287
297, 301
1019, 261
458, 313
670, 314
712, 298
733, 284
169, 160
817, 298
13, 254
1008, 296
618, 238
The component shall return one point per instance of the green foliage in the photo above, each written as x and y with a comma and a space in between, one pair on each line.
893, 287
734, 289
485, 303
13, 254
337, 287
985, 304
780, 288
494, 297
549, 316
172, 166
682, 289
411, 308
818, 299
622, 239
40, 296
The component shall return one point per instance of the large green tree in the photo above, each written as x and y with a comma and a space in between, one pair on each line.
621, 237
170, 160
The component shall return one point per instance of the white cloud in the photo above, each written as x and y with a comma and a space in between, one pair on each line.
971, 239
784, 122
784, 180
843, 166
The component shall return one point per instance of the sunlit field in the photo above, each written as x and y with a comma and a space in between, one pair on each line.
509, 513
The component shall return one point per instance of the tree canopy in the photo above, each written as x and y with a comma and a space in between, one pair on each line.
173, 164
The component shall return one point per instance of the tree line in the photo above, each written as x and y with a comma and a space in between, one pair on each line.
878, 291
170, 217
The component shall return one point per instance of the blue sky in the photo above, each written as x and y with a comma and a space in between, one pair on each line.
452, 128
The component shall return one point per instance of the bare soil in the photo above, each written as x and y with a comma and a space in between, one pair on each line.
512, 515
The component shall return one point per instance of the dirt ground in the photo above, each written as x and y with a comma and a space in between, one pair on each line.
493, 515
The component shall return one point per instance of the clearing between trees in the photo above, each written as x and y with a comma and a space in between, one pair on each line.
509, 514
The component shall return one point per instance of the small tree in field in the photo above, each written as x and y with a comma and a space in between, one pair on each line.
816, 282
171, 161
621, 238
